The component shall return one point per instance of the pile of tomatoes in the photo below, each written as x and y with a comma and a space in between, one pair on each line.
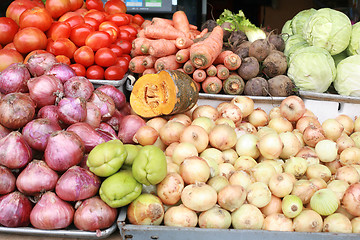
94, 38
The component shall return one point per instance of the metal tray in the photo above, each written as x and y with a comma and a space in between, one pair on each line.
70, 232
115, 83
140, 232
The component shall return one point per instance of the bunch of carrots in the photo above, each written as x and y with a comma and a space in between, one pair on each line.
175, 44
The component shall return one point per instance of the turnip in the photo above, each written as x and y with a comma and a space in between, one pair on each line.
281, 86
259, 49
257, 86
249, 68
275, 64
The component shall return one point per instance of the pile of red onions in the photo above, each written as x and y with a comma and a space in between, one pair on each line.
50, 119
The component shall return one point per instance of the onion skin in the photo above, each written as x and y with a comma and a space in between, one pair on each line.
15, 210
94, 214
116, 95
3, 131
104, 102
37, 132
39, 63
16, 109
14, 151
50, 212
115, 120
351, 199
128, 127
93, 115
62, 71
45, 90
64, 150
7, 180
78, 86
14, 79
37, 177
49, 112
72, 110
87, 133
77, 184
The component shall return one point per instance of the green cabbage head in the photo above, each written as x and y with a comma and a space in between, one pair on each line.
347, 80
354, 45
329, 29
312, 69
300, 19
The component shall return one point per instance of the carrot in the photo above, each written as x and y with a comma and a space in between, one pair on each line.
165, 31
135, 64
145, 45
181, 22
149, 61
193, 27
234, 85
181, 70
141, 33
211, 85
183, 55
222, 72
198, 86
232, 61
222, 56
199, 75
201, 34
136, 45
149, 71
183, 42
145, 23
211, 71
203, 54
161, 21
166, 63
188, 67
162, 48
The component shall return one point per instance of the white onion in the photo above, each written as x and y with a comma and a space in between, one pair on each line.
280, 125
281, 184
258, 118
241, 178
245, 103
227, 121
337, 223
318, 171
356, 137
291, 144
338, 187
347, 123
215, 217
247, 216
182, 151
332, 129
324, 201
230, 155
296, 166
278, 222
258, 194
270, 146
244, 163
291, 206
246, 145
262, 172
218, 182
206, 123
308, 221
213, 154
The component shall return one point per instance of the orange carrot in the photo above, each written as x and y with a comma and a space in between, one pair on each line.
162, 48
166, 63
149, 61
232, 61
181, 22
211, 85
162, 21
162, 32
221, 57
199, 75
135, 64
136, 45
222, 72
188, 67
183, 55
201, 34
149, 71
203, 54
145, 23
192, 27
198, 86
141, 33
211, 71
183, 42
145, 45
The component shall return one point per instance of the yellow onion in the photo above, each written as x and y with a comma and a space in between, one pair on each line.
291, 144
218, 182
304, 189
344, 142
355, 223
318, 182
318, 171
213, 154
194, 169
226, 169
357, 124
278, 222
258, 118
182, 151
291, 206
333, 166
262, 131
274, 113
351, 199
332, 128
270, 146
180, 216
281, 184
224, 120
231, 197
245, 127
347, 173
306, 121
338, 187
296, 166
308, 221
199, 197
215, 217
274, 206
244, 163
206, 123
230, 156
309, 154
312, 135
347, 122
349, 156
280, 124
326, 150
245, 103
246, 145
356, 137
337, 223
262, 172
242, 178
276, 163
324, 202
258, 194
247, 216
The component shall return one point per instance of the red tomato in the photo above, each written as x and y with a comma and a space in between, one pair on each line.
119, 19
79, 34
75, 20
125, 45
79, 69
8, 57
62, 46
115, 6
130, 17
99, 16
81, 11
8, 29
114, 73
116, 49
122, 62
63, 59
125, 35
10, 46
92, 22
113, 34
138, 19
84, 56
94, 4
36, 17
108, 24
95, 72
76, 4
133, 31
127, 56
67, 15
57, 8
16, 8
97, 40
59, 30
29, 39
104, 57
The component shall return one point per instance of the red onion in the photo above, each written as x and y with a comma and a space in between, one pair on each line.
115, 120
14, 151
39, 63
115, 93
3, 131
104, 103
62, 71
351, 199
126, 109
72, 110
76, 184
15, 210
37, 132
107, 127
83, 162
50, 212
14, 78
7, 180
16, 109
64, 150
94, 214
78, 87
49, 112
37, 177
93, 115
45, 90
87, 134
128, 127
